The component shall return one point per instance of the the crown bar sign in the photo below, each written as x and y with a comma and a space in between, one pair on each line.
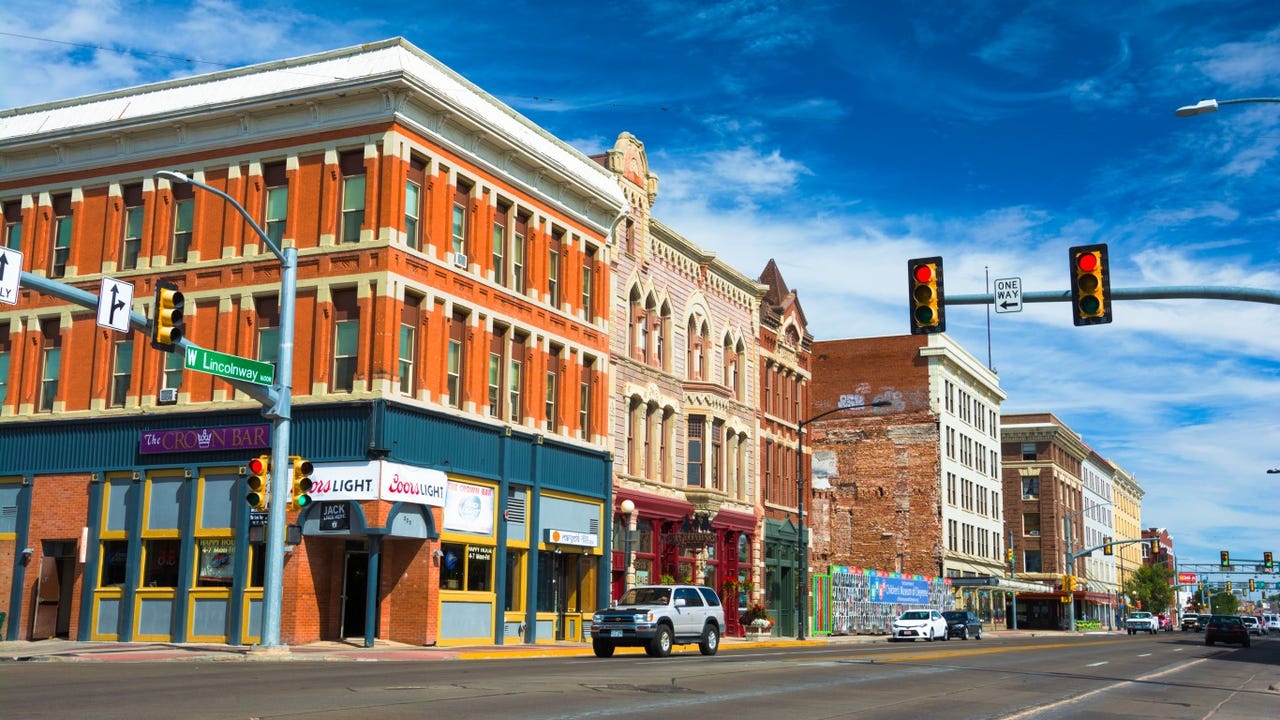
205, 439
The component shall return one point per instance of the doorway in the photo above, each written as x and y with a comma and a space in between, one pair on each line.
52, 612
355, 586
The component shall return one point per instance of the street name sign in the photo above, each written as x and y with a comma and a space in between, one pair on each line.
232, 367
115, 298
10, 275
1008, 295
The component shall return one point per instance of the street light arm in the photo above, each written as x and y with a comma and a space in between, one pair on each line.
819, 416
1210, 105
177, 177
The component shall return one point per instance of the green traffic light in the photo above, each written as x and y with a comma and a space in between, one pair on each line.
924, 315
1090, 305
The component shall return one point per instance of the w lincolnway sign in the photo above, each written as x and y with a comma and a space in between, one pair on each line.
232, 367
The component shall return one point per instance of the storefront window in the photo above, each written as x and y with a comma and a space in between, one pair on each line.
514, 601
216, 562
115, 558
160, 563
466, 567
644, 571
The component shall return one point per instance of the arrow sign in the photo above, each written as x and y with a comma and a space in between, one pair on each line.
114, 300
10, 275
1008, 295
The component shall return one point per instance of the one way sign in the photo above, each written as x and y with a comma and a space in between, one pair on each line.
10, 275
1008, 295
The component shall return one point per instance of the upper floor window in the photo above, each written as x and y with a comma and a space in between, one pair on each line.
173, 367
413, 185
551, 398
50, 362
454, 361
697, 432
501, 217
267, 310
519, 250
122, 372
132, 236
61, 236
553, 268
346, 340
351, 164
410, 319
1028, 451
275, 177
1030, 488
586, 391
588, 283
5, 349
13, 225
458, 226
184, 205
699, 343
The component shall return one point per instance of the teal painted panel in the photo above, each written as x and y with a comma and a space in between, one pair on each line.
155, 617
465, 620
210, 617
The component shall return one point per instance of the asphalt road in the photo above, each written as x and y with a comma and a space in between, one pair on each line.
1170, 676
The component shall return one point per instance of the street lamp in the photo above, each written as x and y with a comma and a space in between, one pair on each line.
802, 545
1273, 471
279, 412
1204, 107
628, 508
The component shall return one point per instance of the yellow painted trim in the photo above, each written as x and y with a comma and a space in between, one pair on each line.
206, 594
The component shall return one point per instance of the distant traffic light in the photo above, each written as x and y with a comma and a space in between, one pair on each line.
1155, 547
167, 324
1228, 586
300, 489
1251, 588
1106, 546
1266, 561
259, 482
924, 279
1090, 284
1224, 558
1008, 557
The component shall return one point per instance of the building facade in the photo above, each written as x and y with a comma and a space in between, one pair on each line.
1099, 528
452, 362
1128, 519
913, 488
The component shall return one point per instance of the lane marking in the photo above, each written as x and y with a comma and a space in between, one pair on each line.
911, 656
1104, 662
1144, 654
1031, 712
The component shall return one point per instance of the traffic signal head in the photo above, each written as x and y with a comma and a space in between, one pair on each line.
1266, 561
1224, 558
1008, 556
1228, 586
259, 482
167, 323
1090, 284
1251, 585
924, 280
1106, 546
300, 487
1155, 547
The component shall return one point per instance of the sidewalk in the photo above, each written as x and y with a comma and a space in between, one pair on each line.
77, 651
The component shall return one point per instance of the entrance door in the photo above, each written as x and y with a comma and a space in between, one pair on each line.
52, 616
355, 585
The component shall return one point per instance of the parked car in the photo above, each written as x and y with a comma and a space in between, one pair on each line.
1252, 625
1141, 621
656, 617
1190, 622
914, 624
1166, 622
963, 624
1271, 622
1225, 628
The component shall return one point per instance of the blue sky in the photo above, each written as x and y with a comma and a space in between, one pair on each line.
842, 139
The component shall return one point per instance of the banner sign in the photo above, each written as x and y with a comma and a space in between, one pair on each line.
1187, 578
205, 439
900, 590
570, 537
469, 508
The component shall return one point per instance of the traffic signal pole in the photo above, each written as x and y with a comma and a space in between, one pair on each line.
1170, 292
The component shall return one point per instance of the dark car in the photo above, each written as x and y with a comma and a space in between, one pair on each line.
963, 624
1190, 621
1226, 628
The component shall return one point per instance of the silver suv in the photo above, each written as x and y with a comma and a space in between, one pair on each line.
656, 617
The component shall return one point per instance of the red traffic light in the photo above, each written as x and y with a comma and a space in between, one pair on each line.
1087, 262
924, 273
257, 466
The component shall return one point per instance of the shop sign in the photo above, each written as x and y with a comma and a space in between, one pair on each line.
406, 483
468, 508
205, 439
345, 481
335, 516
569, 537
1187, 578
690, 540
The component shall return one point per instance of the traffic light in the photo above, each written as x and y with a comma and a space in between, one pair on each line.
300, 489
1008, 557
1069, 583
1155, 547
259, 482
1251, 587
167, 324
1106, 546
1224, 558
1090, 284
1228, 586
1266, 561
924, 278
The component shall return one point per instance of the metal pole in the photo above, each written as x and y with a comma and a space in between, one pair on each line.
1071, 596
1015, 590
802, 547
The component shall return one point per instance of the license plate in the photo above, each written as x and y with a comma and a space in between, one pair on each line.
615, 633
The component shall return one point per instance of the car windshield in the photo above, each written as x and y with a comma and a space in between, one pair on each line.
1141, 615
915, 615
646, 596
954, 615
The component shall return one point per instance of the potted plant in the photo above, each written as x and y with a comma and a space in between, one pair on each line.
756, 622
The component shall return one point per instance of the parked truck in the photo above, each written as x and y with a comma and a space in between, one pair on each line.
1142, 621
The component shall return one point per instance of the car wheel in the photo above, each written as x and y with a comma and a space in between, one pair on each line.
660, 645
602, 648
946, 634
964, 634
979, 635
930, 638
710, 642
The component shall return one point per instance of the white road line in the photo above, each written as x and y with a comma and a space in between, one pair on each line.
1104, 662
1144, 655
1032, 712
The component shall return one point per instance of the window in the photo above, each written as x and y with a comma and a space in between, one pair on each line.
495, 373
696, 429
500, 219
518, 250
588, 284
717, 449
466, 567
121, 372
410, 318
51, 352
515, 379
731, 377
698, 346
173, 367
413, 202
61, 236
13, 225
346, 340
1031, 487
457, 331
275, 177
1031, 561
6, 347
132, 243
1031, 524
458, 231
184, 204
551, 408
1028, 451
553, 268
584, 397
351, 164
267, 310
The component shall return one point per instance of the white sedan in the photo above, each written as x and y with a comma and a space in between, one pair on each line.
927, 624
